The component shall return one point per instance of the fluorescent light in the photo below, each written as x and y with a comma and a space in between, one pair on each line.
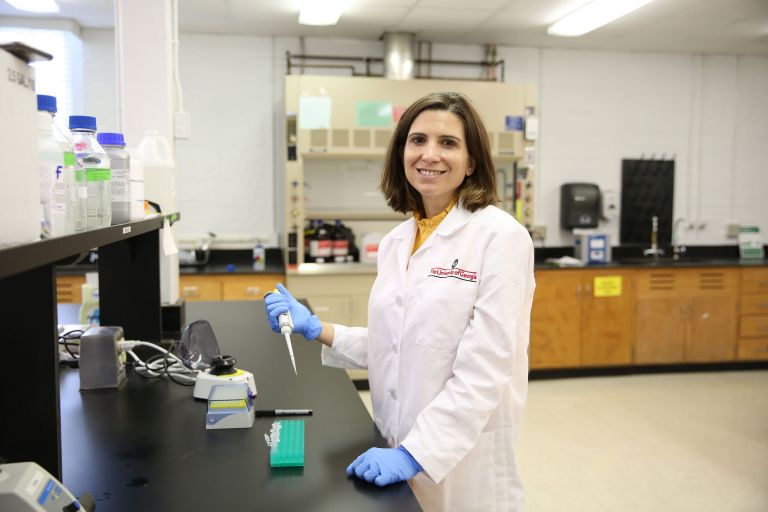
593, 15
320, 12
42, 6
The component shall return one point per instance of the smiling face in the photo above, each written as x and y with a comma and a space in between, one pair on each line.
436, 159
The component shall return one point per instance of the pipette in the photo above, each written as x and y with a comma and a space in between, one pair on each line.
286, 328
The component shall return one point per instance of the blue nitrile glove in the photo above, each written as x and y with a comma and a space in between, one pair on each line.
384, 466
304, 322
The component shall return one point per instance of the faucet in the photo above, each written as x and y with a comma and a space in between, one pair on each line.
655, 250
678, 249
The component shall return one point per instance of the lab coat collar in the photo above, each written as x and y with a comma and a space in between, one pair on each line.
456, 218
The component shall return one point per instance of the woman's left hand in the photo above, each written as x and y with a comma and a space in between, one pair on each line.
384, 466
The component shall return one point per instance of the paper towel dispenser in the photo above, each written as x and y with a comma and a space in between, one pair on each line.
579, 205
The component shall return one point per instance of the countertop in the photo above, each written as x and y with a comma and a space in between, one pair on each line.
663, 263
237, 262
145, 446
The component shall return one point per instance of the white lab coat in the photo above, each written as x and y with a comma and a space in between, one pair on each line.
446, 351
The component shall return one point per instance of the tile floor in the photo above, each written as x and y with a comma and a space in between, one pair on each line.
666, 442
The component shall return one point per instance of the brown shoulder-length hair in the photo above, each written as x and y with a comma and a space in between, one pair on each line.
476, 191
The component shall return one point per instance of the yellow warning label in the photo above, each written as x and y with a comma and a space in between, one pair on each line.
607, 286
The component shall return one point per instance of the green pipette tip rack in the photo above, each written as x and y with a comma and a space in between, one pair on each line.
289, 451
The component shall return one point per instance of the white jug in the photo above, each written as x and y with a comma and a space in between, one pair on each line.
156, 154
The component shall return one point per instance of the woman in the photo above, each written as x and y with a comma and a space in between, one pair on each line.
448, 319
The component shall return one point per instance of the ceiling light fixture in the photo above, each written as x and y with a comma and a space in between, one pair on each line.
39, 6
320, 12
593, 15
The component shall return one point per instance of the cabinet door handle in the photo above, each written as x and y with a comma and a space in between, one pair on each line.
683, 312
253, 290
578, 292
762, 305
588, 292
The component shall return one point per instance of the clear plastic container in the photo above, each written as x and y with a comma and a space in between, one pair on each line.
58, 188
120, 175
95, 163
66, 207
49, 158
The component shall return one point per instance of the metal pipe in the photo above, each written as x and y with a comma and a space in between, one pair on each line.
398, 55
456, 78
368, 60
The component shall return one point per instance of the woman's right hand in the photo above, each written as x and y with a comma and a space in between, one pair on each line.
304, 322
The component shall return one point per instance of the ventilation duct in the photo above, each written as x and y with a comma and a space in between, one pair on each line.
399, 49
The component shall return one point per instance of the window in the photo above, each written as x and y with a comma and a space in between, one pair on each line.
60, 77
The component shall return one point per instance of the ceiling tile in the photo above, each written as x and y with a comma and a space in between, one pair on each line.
436, 19
699, 26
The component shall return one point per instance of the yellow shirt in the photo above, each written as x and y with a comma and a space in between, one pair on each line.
425, 227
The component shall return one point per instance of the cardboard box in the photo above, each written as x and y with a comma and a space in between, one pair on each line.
20, 212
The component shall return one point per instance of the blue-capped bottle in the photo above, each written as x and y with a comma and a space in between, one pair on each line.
59, 197
49, 157
95, 162
120, 175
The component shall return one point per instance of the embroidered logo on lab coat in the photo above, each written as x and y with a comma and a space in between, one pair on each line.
454, 271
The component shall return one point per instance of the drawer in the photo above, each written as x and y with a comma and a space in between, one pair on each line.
751, 350
69, 289
754, 304
249, 287
753, 326
200, 288
754, 280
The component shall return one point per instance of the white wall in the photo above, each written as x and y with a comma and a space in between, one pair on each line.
225, 172
99, 80
709, 112
596, 108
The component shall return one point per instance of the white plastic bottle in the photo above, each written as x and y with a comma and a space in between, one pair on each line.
95, 161
259, 257
120, 175
89, 308
156, 154
50, 157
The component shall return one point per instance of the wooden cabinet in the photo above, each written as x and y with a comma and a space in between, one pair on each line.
249, 287
607, 317
753, 315
227, 287
555, 320
191, 287
577, 321
69, 289
685, 315
200, 288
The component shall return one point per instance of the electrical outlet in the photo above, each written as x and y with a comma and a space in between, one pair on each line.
610, 204
732, 230
182, 125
